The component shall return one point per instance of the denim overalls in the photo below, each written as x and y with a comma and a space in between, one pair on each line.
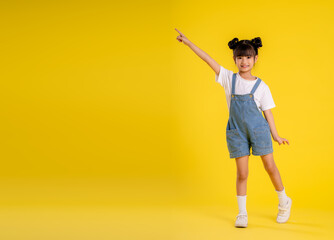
246, 126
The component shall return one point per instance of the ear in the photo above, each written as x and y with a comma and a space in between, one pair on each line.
256, 58
234, 60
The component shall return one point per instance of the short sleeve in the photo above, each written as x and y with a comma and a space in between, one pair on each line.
267, 101
223, 77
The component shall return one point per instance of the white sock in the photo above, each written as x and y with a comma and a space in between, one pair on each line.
282, 197
242, 204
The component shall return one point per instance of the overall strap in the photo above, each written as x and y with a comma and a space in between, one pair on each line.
233, 83
256, 85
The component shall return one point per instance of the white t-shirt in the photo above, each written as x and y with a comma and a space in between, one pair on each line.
262, 95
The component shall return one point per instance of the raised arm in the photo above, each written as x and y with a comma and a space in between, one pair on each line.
203, 55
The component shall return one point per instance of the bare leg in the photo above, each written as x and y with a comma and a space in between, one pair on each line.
270, 166
242, 174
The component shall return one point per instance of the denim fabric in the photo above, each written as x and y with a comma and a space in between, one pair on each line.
246, 127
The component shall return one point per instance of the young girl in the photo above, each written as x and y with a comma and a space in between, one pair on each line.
247, 96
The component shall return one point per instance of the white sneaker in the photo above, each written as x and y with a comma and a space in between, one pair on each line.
241, 221
284, 212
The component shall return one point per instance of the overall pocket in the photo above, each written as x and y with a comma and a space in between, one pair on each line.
262, 136
233, 140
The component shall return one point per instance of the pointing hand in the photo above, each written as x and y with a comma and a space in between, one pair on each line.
182, 38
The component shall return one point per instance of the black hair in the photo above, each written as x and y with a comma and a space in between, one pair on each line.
245, 47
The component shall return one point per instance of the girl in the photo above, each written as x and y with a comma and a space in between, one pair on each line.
247, 96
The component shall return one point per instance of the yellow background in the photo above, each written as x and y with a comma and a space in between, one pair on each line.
104, 112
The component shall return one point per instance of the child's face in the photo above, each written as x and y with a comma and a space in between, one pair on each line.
245, 63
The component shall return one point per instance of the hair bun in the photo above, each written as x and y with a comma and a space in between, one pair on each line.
233, 43
257, 42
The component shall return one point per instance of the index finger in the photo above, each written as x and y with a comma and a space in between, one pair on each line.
179, 32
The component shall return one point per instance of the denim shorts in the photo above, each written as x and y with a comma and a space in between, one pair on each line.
258, 138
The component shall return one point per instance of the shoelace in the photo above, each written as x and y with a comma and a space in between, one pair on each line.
282, 209
242, 217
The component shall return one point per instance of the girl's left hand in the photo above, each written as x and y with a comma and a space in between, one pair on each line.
281, 140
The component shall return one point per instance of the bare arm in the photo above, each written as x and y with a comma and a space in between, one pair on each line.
203, 55
270, 119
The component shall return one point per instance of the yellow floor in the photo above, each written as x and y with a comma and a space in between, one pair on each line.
158, 223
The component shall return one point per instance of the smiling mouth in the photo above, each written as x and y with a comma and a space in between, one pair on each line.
244, 66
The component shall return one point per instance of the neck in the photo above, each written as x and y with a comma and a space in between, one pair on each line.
247, 75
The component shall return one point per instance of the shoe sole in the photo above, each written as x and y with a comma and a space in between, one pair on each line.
289, 213
241, 226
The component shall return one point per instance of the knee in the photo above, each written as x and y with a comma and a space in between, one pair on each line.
242, 175
271, 168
